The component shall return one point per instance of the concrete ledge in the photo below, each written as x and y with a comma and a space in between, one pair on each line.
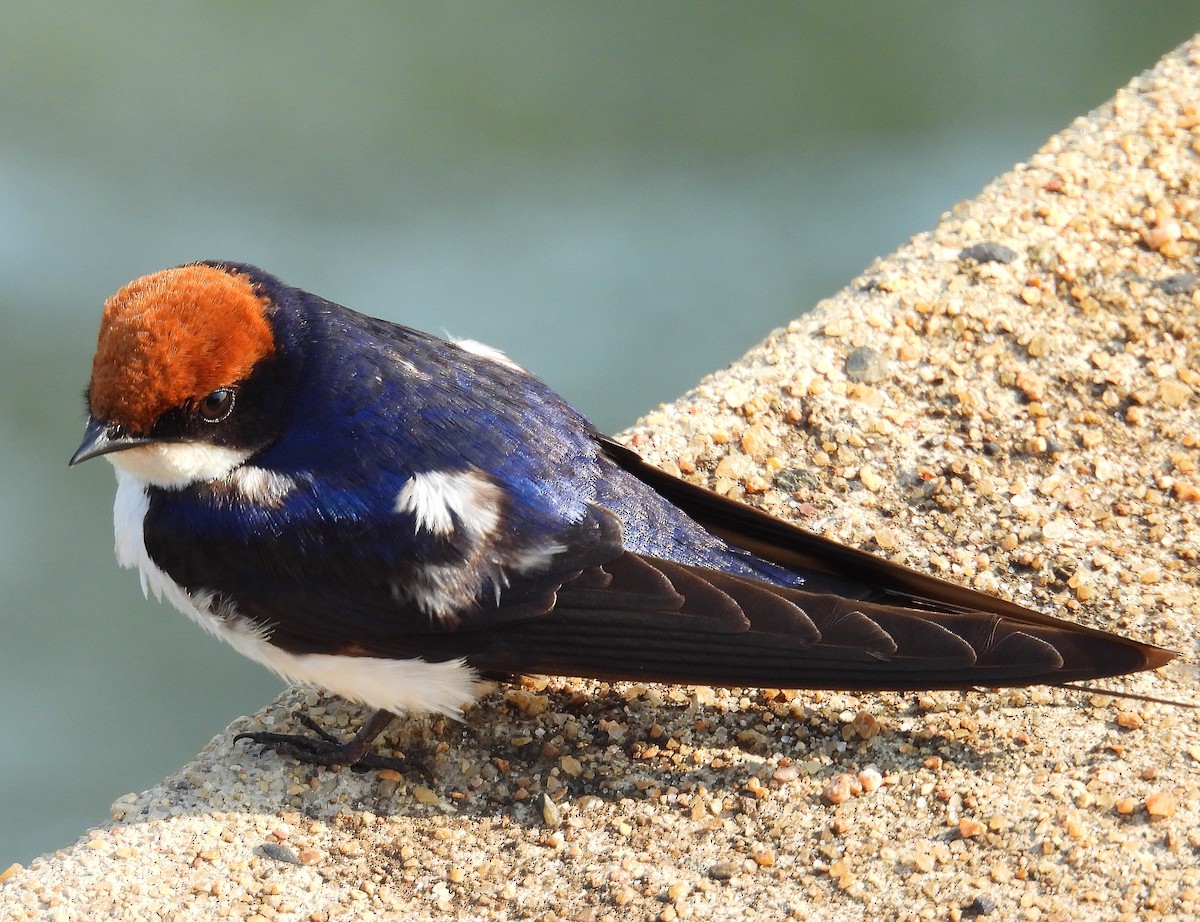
1010, 401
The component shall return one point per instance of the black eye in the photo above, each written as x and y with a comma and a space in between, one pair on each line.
216, 406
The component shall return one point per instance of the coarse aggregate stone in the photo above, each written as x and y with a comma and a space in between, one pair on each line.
1011, 401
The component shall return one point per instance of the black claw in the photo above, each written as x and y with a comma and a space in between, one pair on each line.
326, 749
318, 729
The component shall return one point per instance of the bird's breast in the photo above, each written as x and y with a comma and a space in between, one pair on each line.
399, 685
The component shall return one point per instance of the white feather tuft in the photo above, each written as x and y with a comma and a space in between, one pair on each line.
485, 351
436, 498
261, 486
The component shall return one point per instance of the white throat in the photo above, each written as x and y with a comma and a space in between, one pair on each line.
175, 465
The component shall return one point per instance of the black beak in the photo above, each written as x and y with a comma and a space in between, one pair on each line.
101, 438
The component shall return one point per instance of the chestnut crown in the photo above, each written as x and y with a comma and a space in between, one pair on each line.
171, 339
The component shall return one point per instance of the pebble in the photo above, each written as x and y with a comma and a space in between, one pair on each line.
841, 788
983, 905
527, 702
725, 870
764, 858
869, 779
277, 852
866, 365
785, 773
1174, 393
987, 252
969, 828
1161, 805
871, 479
551, 815
865, 725
737, 395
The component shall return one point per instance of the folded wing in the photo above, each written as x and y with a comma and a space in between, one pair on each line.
640, 618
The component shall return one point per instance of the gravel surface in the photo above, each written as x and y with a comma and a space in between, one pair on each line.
1011, 401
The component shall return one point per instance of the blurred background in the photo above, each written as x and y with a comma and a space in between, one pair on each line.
623, 196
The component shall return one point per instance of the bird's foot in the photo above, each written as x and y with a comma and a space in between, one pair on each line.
326, 749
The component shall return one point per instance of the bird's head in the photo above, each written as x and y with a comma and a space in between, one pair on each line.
177, 393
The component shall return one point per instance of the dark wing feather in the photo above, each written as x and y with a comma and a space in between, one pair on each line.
728, 630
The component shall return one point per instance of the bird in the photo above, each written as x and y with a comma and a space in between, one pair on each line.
396, 517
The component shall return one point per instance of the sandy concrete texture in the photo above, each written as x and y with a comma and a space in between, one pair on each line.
1011, 401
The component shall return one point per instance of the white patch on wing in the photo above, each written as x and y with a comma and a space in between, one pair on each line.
175, 465
471, 502
485, 351
261, 486
409, 686
436, 498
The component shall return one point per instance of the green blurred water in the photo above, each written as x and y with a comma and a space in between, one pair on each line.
623, 196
